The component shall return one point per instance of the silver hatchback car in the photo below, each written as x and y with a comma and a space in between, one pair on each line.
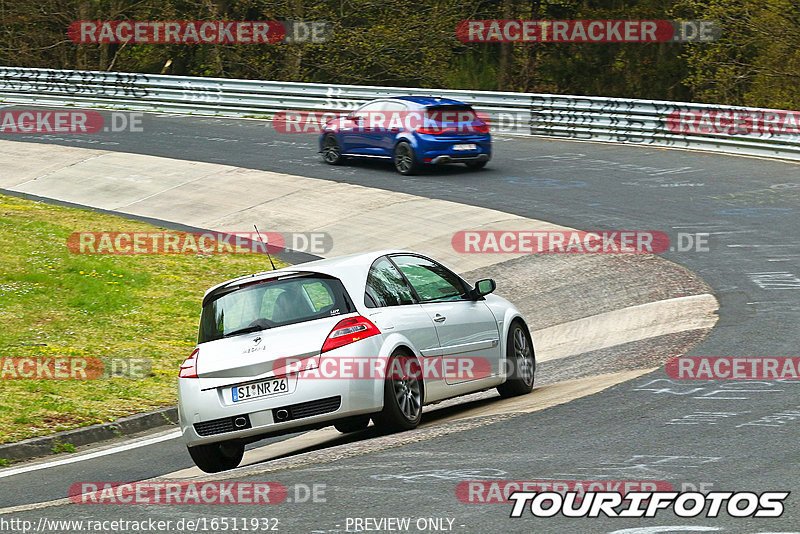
343, 341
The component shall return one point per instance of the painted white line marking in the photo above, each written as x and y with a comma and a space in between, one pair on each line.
91, 455
752, 246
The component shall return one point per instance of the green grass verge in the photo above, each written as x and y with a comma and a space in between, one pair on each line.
54, 303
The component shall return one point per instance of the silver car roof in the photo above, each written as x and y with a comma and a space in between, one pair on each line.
351, 269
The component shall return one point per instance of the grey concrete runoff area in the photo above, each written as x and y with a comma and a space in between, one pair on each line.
603, 325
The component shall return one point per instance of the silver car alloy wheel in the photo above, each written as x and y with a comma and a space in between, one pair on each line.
409, 396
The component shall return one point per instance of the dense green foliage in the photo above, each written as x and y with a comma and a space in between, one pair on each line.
413, 43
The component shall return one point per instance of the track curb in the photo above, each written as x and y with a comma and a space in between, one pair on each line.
44, 445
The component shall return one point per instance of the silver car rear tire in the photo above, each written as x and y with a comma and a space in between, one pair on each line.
402, 396
216, 457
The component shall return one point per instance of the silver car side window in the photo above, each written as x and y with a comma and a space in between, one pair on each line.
431, 281
386, 286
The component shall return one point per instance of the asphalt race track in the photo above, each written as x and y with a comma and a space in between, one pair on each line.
691, 434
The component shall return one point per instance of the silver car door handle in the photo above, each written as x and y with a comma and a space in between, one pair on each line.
439, 318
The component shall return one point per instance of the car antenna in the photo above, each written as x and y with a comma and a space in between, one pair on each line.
266, 246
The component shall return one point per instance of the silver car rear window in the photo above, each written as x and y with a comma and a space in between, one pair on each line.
272, 303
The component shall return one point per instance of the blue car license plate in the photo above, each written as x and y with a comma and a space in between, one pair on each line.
468, 146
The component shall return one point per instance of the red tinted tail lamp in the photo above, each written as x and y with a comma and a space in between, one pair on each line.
189, 365
349, 331
433, 130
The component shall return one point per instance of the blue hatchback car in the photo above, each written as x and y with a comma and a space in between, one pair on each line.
412, 131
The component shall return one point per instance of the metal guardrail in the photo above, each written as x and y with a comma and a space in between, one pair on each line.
647, 122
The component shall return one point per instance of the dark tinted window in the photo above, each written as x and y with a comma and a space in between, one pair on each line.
430, 280
272, 303
386, 286
451, 113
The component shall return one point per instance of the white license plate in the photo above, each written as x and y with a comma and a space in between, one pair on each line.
470, 146
264, 388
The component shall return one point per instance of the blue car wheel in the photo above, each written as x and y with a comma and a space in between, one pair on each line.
331, 152
405, 161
